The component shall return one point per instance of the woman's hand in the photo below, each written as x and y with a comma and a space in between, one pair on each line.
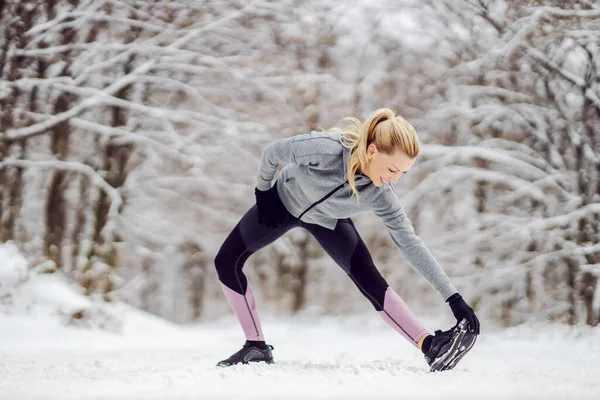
461, 310
271, 211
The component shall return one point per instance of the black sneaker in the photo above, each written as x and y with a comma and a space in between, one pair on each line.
249, 353
448, 347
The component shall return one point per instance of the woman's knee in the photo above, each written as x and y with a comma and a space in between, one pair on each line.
370, 282
231, 254
375, 293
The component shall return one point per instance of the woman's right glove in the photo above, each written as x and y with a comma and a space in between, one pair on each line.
461, 310
271, 211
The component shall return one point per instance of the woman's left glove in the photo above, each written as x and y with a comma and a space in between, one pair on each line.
461, 310
271, 211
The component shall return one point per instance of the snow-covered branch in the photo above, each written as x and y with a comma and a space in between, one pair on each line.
115, 198
564, 220
142, 49
568, 13
570, 252
125, 136
38, 29
571, 77
447, 155
100, 96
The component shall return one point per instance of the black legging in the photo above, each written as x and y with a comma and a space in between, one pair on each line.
343, 244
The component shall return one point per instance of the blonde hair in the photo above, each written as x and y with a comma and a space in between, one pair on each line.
389, 132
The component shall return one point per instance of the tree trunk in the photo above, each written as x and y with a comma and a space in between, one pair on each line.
80, 219
56, 204
15, 22
115, 161
299, 289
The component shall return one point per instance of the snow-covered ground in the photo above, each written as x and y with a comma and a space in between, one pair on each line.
315, 358
118, 352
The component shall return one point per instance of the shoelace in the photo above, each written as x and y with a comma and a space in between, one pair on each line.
452, 331
455, 330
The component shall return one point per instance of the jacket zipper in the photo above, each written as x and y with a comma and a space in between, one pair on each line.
328, 195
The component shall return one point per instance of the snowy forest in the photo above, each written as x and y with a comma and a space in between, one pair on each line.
131, 131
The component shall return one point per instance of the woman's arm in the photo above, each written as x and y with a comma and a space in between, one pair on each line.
388, 208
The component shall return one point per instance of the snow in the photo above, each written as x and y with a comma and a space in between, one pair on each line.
333, 357
336, 357
13, 268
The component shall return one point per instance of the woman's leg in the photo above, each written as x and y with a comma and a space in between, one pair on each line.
245, 239
347, 248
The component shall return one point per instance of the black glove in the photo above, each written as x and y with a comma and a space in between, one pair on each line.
271, 211
461, 310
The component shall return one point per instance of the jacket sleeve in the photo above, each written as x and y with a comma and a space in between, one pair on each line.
391, 212
307, 149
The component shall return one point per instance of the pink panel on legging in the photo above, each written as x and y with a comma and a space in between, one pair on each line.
244, 308
397, 314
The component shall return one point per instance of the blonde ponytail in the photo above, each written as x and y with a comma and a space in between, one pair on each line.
388, 131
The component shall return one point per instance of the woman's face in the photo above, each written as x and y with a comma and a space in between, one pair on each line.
383, 168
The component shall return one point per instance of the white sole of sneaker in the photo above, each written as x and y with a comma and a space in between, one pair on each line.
442, 362
462, 354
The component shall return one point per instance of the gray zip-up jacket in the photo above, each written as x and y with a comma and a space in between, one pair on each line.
314, 187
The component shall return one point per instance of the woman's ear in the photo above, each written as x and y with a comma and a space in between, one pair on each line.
371, 150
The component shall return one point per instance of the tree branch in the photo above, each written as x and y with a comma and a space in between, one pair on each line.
115, 198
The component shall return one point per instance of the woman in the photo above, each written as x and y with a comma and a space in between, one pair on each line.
328, 177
